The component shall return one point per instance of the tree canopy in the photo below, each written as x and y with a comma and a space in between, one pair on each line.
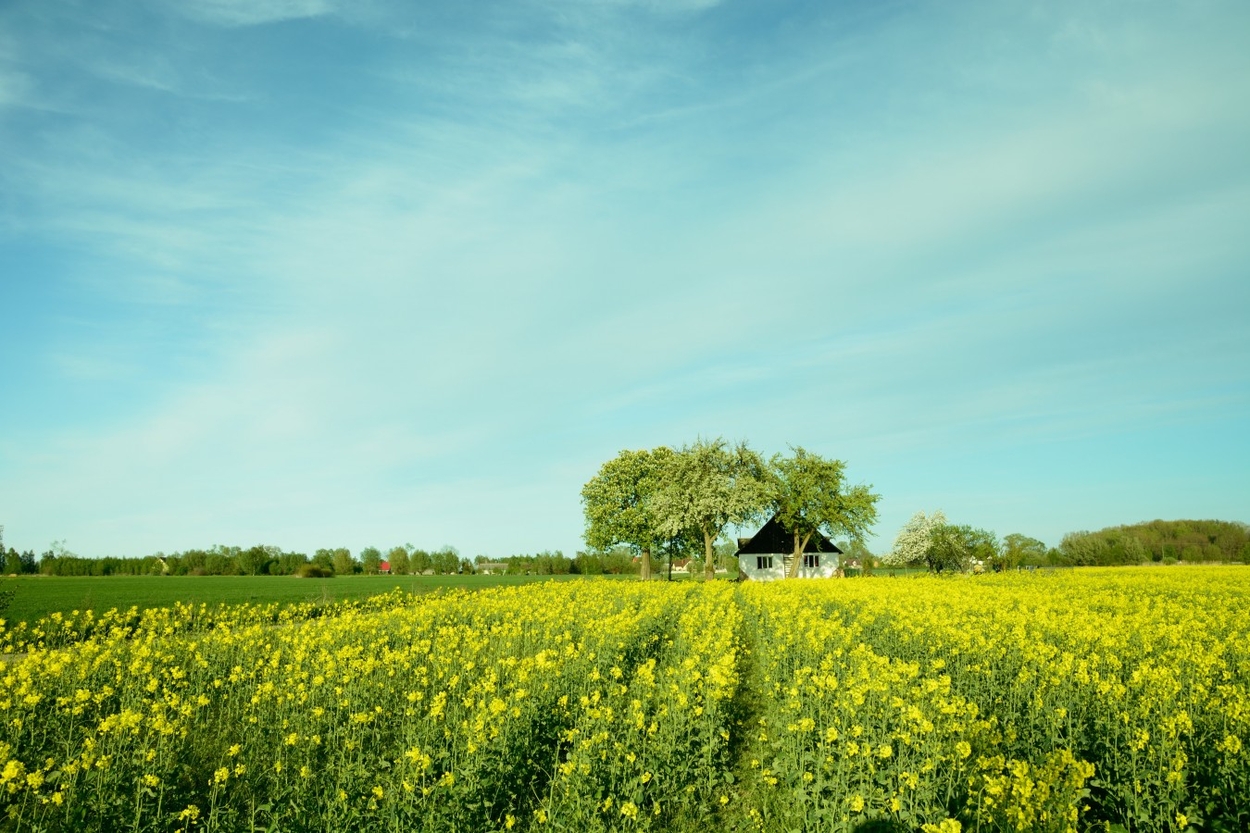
707, 486
811, 496
912, 543
956, 547
619, 503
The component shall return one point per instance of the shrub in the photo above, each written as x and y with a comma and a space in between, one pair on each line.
313, 571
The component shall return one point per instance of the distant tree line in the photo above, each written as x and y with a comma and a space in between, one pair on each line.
1158, 542
925, 541
259, 560
931, 541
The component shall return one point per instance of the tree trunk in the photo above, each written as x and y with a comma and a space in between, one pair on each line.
646, 563
800, 544
709, 556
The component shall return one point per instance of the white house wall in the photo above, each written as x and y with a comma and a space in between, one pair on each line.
746, 566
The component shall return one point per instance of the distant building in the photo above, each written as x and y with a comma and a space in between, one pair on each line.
385, 568
766, 556
491, 568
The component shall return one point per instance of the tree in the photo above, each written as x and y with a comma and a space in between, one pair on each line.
420, 561
342, 562
398, 558
953, 547
371, 559
1021, 549
1134, 551
912, 544
1084, 549
253, 561
445, 561
812, 498
857, 551
618, 503
706, 487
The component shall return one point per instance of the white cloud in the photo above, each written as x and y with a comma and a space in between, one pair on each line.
252, 12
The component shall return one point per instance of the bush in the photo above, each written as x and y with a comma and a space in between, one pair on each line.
313, 571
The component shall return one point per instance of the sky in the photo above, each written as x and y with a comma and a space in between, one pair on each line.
313, 273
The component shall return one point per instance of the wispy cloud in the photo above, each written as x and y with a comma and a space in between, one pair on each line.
252, 12
453, 259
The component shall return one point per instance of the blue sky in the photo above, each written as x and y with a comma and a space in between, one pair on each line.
313, 273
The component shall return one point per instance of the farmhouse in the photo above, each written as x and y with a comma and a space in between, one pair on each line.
768, 554
491, 568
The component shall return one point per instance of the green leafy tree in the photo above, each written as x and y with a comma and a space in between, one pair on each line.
1084, 549
706, 487
812, 497
370, 558
954, 547
420, 561
856, 550
398, 558
253, 561
1021, 550
343, 563
445, 561
618, 503
286, 563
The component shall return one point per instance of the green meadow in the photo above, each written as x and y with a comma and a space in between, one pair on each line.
37, 596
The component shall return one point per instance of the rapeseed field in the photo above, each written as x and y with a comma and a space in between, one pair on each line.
1099, 700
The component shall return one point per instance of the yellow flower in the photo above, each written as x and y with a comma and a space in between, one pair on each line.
946, 826
629, 810
12, 771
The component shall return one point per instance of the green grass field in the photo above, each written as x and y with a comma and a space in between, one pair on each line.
37, 596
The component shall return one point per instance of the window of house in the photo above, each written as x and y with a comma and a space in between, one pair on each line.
763, 562
811, 561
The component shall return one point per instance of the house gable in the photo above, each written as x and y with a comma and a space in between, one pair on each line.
765, 556
775, 538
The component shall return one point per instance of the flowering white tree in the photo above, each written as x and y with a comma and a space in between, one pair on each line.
706, 487
914, 539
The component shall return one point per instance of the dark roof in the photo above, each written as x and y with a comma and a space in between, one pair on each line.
774, 538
